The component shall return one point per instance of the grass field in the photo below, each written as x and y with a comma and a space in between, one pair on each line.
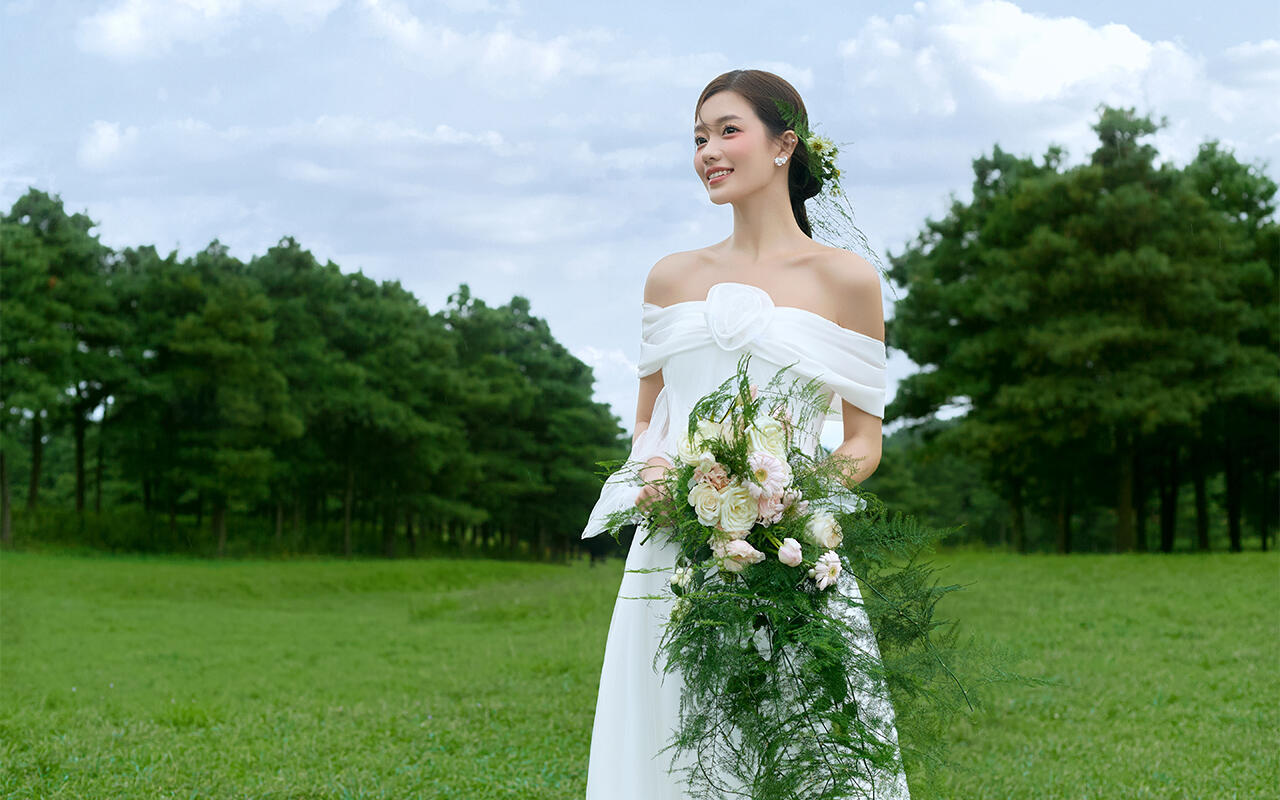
164, 678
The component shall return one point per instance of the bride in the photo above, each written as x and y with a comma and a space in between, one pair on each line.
770, 290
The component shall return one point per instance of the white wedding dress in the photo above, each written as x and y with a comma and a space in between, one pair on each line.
697, 344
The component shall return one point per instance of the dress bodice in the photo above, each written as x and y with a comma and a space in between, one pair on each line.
697, 344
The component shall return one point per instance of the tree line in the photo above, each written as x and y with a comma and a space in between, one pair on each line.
325, 411
1111, 330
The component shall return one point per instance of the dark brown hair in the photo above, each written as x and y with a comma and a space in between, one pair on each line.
760, 89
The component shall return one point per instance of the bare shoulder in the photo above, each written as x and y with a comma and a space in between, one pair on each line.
856, 285
666, 278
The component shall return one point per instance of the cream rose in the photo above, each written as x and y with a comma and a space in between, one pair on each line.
691, 451
823, 530
738, 509
706, 503
767, 435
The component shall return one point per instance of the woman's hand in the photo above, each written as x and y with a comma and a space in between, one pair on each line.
656, 471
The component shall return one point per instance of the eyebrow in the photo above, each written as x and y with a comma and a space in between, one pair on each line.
701, 127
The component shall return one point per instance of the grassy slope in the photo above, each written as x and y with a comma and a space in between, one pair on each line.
130, 677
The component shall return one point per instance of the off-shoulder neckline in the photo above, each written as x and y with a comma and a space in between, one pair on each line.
793, 309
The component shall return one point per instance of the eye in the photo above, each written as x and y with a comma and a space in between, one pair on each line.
698, 139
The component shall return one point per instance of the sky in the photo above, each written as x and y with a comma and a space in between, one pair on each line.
546, 149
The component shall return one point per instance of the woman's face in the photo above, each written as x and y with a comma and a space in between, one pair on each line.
727, 134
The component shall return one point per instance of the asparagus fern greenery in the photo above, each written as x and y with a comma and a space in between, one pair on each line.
798, 682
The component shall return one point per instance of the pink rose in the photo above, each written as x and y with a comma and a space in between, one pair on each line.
736, 554
790, 552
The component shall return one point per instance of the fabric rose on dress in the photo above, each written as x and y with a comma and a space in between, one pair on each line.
790, 552
826, 570
823, 530
737, 313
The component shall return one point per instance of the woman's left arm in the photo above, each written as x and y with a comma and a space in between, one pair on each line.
862, 310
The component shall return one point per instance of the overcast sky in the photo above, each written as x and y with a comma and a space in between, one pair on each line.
545, 149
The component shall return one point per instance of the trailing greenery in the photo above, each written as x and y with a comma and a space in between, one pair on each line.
789, 681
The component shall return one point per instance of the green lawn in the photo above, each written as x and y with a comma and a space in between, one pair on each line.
157, 678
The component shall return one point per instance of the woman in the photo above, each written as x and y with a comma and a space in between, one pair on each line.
768, 289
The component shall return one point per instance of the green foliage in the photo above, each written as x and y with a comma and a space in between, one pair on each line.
789, 690
281, 393
1097, 322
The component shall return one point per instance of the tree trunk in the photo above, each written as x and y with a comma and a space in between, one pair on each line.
1019, 520
97, 477
1169, 498
1198, 454
347, 500
37, 457
279, 525
6, 518
1124, 534
219, 520
1139, 499
408, 533
1064, 516
1231, 470
78, 425
388, 530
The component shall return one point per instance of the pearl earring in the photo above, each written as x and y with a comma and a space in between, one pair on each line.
780, 160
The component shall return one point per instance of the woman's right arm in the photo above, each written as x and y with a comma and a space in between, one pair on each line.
650, 385
657, 291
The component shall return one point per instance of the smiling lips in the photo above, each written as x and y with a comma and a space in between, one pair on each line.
715, 176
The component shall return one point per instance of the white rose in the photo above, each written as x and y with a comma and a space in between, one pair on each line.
691, 451
767, 435
738, 509
706, 502
823, 530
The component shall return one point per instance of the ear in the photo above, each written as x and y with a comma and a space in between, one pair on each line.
789, 142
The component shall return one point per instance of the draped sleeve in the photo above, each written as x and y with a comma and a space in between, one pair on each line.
658, 340
664, 334
850, 364
856, 372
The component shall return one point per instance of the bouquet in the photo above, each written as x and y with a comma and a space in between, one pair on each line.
786, 688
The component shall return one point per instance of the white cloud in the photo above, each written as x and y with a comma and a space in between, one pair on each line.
134, 29
987, 65
510, 63
105, 144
